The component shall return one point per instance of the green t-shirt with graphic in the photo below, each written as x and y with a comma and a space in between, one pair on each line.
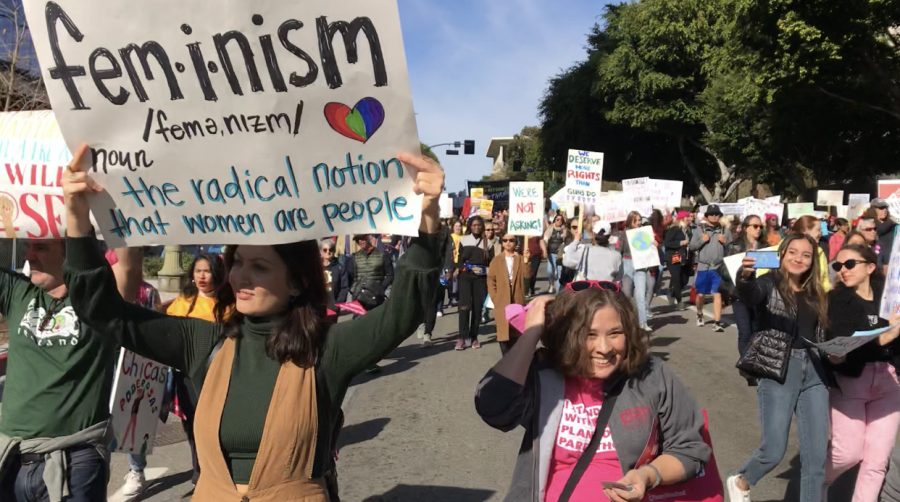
59, 374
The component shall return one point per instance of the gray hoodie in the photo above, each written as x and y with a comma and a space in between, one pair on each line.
654, 400
710, 254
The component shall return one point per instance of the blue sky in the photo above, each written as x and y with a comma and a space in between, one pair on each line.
478, 68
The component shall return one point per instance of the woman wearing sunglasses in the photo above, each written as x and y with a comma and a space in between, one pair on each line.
337, 281
506, 285
594, 360
865, 406
791, 308
749, 240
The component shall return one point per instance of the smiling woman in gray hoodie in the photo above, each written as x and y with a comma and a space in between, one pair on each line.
594, 357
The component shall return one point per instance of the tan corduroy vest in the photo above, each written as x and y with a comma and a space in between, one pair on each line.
286, 454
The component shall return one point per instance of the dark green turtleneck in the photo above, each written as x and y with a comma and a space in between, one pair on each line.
253, 378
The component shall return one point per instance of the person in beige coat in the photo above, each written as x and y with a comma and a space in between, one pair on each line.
506, 285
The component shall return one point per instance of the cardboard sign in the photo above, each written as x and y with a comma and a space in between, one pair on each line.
136, 399
526, 208
234, 122
486, 208
829, 198
33, 157
644, 254
584, 176
799, 209
890, 298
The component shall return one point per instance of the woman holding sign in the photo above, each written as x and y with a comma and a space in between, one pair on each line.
791, 310
865, 407
277, 347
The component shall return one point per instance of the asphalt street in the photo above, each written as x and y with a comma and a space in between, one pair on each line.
412, 433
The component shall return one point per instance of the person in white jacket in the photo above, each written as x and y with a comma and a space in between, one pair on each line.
594, 261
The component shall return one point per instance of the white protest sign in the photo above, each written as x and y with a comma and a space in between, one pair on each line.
665, 194
135, 402
640, 191
234, 122
446, 205
526, 208
774, 199
584, 176
614, 207
799, 209
858, 199
33, 157
890, 299
733, 265
828, 198
842, 211
644, 254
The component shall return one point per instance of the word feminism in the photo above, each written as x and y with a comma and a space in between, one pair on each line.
231, 47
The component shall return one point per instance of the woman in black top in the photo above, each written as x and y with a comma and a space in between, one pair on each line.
749, 240
471, 267
675, 242
865, 408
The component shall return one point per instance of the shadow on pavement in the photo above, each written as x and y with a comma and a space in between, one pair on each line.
659, 322
404, 493
662, 341
164, 483
359, 433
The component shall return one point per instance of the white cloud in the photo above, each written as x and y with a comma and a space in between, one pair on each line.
478, 68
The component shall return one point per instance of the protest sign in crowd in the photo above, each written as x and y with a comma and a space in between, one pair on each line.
273, 132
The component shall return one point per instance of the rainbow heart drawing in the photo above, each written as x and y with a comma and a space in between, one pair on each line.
358, 123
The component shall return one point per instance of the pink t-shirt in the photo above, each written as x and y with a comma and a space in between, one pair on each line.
583, 400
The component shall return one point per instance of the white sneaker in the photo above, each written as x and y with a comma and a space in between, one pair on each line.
134, 484
440, 313
735, 494
426, 339
700, 322
420, 332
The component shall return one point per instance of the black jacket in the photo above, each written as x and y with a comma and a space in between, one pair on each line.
885, 231
847, 315
672, 240
772, 314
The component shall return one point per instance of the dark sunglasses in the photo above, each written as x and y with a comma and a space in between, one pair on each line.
574, 227
867, 229
850, 264
327, 250
754, 226
577, 286
508, 240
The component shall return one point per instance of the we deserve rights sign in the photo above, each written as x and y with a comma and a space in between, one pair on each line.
234, 122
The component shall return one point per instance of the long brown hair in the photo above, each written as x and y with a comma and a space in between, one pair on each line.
301, 335
568, 325
812, 290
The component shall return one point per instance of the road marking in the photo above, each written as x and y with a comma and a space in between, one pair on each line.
150, 474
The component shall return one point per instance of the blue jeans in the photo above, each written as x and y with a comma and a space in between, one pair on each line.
553, 271
637, 285
803, 394
87, 478
137, 462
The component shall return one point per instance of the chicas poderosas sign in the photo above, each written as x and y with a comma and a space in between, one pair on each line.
233, 121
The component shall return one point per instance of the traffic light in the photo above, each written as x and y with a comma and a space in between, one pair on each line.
469, 147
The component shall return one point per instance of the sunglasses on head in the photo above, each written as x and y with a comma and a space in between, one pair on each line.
577, 286
850, 264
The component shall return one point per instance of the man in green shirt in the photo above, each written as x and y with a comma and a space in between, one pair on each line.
59, 377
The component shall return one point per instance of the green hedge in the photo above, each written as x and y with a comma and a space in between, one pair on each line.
153, 265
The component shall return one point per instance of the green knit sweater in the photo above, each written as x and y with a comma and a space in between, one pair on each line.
186, 344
